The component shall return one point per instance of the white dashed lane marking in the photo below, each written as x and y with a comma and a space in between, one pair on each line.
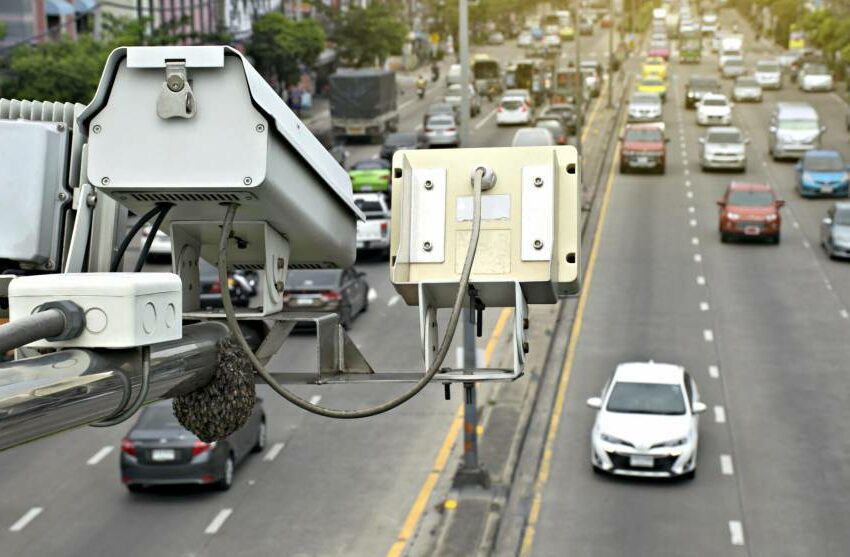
315, 399
692, 209
693, 222
726, 465
844, 314
218, 521
713, 372
372, 295
28, 517
394, 300
697, 258
708, 335
272, 453
695, 241
99, 455
703, 306
720, 414
736, 532
701, 280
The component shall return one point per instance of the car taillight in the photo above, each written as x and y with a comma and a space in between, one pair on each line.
384, 228
451, 129
429, 130
524, 108
199, 447
562, 140
128, 447
500, 109
215, 287
330, 295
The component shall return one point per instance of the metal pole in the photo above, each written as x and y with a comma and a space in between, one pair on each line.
55, 392
580, 95
471, 473
611, 55
463, 36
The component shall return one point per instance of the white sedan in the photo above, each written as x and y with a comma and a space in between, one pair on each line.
647, 423
714, 110
512, 111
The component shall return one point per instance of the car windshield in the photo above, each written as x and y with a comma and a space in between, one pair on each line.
440, 122
817, 69
798, 125
714, 102
643, 134
747, 82
369, 205
645, 99
371, 164
531, 138
751, 198
158, 416
823, 163
723, 137
552, 125
652, 81
313, 278
734, 62
842, 217
646, 398
767, 67
704, 85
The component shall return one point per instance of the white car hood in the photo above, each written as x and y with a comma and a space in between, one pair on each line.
736, 148
644, 430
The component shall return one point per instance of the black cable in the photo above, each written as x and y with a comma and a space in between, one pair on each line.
143, 220
24, 330
143, 255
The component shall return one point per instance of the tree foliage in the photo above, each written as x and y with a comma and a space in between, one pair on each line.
281, 46
69, 71
366, 36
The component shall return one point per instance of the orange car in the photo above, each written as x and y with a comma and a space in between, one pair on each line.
750, 211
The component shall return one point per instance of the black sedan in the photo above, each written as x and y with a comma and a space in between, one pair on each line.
402, 140
160, 451
567, 113
342, 291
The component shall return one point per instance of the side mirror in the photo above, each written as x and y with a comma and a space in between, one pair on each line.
827, 221
746, 141
780, 203
699, 407
721, 203
594, 402
772, 129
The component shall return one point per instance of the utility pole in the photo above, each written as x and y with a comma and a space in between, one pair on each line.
580, 95
471, 473
463, 58
611, 55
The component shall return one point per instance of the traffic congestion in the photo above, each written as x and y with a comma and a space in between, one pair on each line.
691, 400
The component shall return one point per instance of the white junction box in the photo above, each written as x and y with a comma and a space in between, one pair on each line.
122, 310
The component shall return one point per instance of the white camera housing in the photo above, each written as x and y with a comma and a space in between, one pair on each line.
198, 127
529, 229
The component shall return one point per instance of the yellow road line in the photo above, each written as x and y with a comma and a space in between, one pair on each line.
593, 113
555, 419
421, 502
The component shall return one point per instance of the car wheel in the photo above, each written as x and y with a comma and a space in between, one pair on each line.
689, 475
345, 317
262, 436
226, 481
135, 488
724, 238
623, 169
596, 469
777, 239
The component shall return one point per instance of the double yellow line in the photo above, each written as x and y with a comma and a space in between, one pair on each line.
414, 515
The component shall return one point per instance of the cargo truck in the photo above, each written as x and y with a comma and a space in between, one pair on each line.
363, 104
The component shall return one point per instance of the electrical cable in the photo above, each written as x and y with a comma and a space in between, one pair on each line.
304, 404
143, 255
37, 326
143, 220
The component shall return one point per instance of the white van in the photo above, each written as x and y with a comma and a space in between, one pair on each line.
794, 129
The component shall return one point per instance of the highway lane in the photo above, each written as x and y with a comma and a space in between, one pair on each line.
761, 329
333, 488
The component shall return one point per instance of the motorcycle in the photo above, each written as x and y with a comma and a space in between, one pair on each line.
420, 88
435, 73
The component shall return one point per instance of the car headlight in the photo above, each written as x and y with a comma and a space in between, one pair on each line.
733, 216
673, 443
770, 218
612, 439
807, 177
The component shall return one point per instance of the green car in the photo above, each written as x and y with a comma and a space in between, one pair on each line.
371, 175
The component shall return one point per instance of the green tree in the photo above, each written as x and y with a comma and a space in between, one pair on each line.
279, 46
2, 30
365, 36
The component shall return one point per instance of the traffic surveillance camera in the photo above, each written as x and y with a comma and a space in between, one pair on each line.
196, 128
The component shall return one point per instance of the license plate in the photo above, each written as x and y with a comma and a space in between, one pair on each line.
355, 131
642, 160
752, 230
639, 461
304, 301
162, 455
826, 189
365, 188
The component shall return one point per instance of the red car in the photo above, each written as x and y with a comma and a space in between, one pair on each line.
644, 147
660, 50
750, 211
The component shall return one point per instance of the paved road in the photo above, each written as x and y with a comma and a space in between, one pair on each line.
762, 328
335, 488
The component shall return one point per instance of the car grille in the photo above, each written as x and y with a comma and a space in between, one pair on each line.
742, 225
660, 464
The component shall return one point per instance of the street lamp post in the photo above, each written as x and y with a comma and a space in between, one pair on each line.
611, 55
580, 94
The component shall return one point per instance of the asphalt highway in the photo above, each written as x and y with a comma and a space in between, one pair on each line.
322, 488
762, 328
